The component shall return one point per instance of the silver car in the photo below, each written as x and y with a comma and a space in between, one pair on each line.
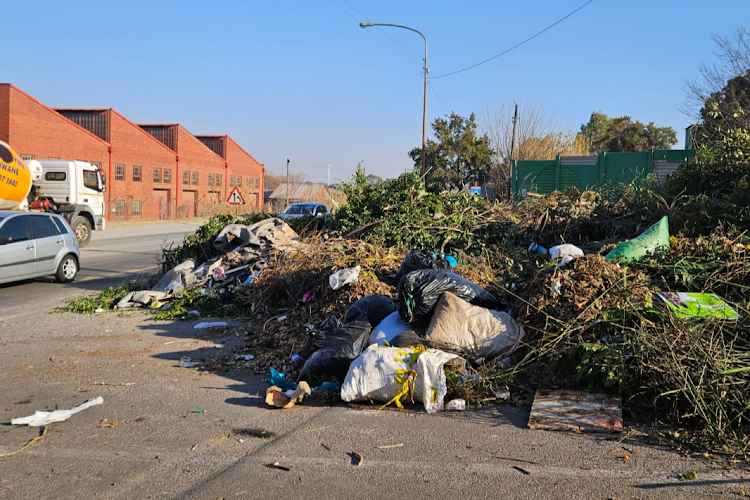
35, 244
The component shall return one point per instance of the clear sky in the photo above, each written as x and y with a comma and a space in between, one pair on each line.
300, 79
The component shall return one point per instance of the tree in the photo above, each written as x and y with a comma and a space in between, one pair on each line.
622, 134
539, 136
732, 60
272, 181
458, 155
373, 179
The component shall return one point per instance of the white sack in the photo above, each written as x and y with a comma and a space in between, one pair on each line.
379, 373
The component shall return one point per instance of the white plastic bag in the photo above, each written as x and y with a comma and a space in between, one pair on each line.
344, 277
566, 250
388, 329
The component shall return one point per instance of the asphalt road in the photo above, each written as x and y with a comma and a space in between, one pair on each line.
112, 256
165, 431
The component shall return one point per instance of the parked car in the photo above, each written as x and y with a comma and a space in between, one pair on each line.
301, 209
35, 244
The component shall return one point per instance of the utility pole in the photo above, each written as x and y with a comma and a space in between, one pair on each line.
329, 175
512, 145
287, 182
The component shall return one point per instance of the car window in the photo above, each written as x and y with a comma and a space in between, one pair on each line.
299, 209
16, 228
42, 226
61, 225
90, 179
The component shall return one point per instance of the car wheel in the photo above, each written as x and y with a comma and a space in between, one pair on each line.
67, 269
82, 228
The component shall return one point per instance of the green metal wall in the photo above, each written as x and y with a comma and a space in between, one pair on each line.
546, 176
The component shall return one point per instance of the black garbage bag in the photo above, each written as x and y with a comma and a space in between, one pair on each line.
338, 345
376, 307
422, 259
419, 291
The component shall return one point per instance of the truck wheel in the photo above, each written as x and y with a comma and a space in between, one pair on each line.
82, 228
67, 270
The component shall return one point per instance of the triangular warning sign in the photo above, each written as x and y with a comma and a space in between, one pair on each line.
235, 198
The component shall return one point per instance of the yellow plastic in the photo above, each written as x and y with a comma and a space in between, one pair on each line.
15, 178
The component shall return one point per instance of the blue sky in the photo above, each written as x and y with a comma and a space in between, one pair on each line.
301, 80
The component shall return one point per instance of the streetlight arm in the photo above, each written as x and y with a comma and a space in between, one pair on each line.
426, 70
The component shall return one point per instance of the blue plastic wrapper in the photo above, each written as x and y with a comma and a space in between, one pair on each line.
279, 380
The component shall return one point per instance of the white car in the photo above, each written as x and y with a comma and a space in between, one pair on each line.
36, 244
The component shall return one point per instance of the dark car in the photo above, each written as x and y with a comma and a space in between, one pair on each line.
302, 209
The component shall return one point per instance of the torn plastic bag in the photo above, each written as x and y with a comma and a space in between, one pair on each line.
344, 277
388, 329
419, 291
422, 259
565, 250
377, 307
473, 331
657, 236
337, 347
396, 375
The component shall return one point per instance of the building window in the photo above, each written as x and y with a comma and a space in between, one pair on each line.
27, 157
137, 173
195, 178
257, 183
119, 172
218, 181
210, 180
137, 208
239, 181
157, 175
186, 178
119, 208
231, 181
96, 164
167, 176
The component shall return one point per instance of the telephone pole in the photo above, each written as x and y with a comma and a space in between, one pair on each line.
512, 144
287, 182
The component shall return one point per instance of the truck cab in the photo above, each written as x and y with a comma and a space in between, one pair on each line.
73, 189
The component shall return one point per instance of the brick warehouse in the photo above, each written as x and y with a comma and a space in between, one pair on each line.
153, 171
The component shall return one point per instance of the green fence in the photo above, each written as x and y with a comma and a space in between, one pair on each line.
584, 172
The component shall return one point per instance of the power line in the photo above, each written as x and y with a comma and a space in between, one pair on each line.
373, 33
438, 96
515, 46
382, 30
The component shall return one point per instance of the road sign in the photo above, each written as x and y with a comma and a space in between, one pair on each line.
235, 198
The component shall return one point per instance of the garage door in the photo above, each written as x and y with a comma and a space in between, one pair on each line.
161, 203
187, 204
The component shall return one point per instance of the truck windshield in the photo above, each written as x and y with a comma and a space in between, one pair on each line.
90, 179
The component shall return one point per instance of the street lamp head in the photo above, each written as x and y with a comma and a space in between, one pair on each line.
365, 25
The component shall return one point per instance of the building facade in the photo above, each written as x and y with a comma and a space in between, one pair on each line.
152, 171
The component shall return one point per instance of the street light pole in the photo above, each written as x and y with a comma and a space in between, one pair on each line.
426, 70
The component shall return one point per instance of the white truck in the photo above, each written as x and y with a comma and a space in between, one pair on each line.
71, 188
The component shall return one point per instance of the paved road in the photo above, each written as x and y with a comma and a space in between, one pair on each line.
165, 431
113, 256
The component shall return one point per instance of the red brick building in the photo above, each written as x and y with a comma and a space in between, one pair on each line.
242, 170
152, 171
